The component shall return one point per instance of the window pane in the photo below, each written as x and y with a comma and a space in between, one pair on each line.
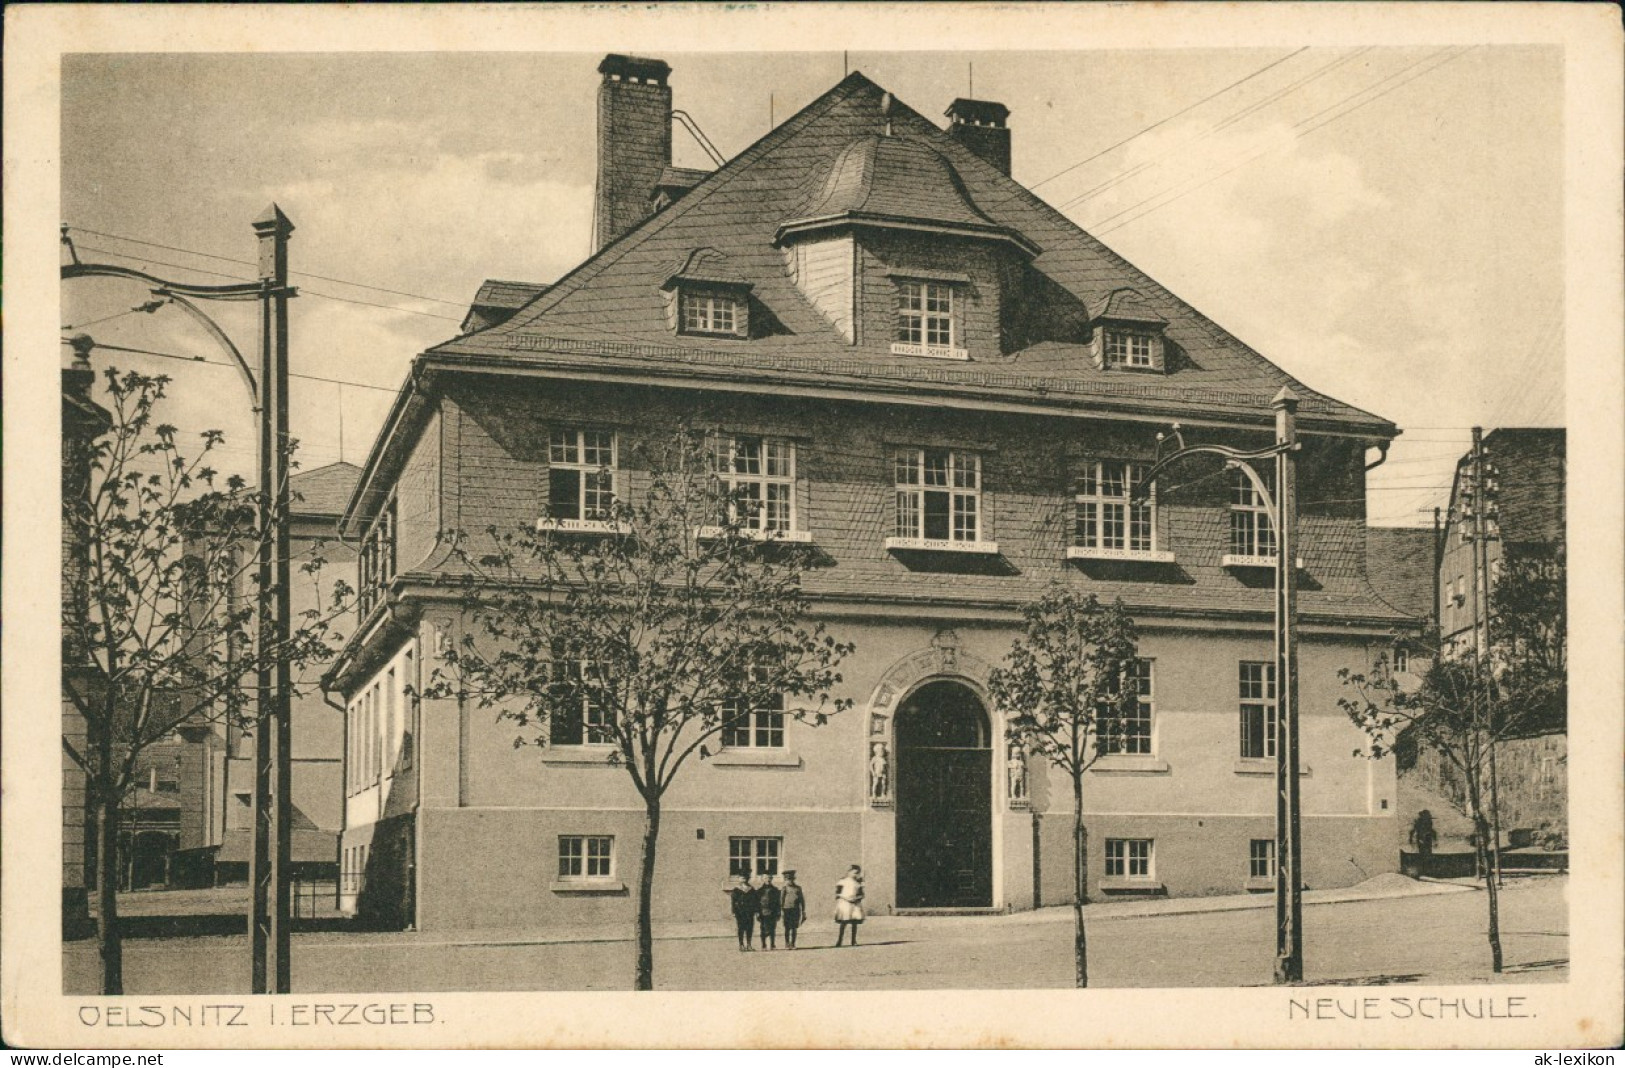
908, 514
936, 467
570, 849
936, 515
561, 447
908, 468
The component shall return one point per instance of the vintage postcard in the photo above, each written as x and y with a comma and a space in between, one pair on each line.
814, 525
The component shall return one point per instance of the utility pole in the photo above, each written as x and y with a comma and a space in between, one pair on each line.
272, 732
1288, 800
1484, 532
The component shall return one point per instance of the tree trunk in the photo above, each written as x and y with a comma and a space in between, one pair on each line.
1080, 883
1481, 831
110, 939
644, 979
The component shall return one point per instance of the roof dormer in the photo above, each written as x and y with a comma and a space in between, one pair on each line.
1128, 334
705, 297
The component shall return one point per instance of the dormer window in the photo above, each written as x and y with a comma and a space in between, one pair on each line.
1128, 349
925, 321
712, 312
1128, 334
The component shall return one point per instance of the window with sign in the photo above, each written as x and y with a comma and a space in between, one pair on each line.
580, 475
758, 478
1109, 522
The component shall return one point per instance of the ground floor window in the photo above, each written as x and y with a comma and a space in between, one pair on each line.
751, 857
585, 856
1261, 858
1128, 858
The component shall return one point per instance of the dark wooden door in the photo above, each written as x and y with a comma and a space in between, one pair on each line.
944, 791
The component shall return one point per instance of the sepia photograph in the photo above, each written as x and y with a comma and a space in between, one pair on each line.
1072, 505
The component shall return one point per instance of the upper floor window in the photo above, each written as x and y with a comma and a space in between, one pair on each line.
759, 477
1109, 523
925, 321
1129, 349
1252, 534
712, 312
580, 476
1257, 710
377, 558
1131, 735
758, 727
939, 498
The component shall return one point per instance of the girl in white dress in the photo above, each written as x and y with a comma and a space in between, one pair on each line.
849, 905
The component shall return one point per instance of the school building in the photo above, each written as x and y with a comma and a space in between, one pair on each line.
949, 389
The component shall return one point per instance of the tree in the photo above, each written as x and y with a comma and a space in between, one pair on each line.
158, 548
673, 621
1466, 706
1070, 683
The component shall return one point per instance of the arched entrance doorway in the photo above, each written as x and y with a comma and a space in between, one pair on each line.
944, 792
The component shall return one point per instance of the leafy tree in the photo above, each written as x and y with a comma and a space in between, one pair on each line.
652, 635
158, 549
1068, 683
1466, 707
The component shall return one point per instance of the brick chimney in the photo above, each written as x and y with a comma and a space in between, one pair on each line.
979, 125
634, 142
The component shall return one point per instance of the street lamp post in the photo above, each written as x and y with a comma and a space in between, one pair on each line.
270, 869
1282, 506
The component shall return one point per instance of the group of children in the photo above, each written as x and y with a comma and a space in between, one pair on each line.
760, 907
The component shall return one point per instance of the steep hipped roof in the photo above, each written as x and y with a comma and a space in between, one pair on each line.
324, 490
608, 314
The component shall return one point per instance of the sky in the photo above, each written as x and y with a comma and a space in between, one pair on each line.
1384, 223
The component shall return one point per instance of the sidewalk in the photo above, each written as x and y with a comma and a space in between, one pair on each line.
1379, 888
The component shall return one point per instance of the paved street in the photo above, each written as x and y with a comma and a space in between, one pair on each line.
1433, 938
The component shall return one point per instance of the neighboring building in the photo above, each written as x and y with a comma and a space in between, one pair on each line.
1403, 566
318, 728
948, 388
82, 421
1527, 503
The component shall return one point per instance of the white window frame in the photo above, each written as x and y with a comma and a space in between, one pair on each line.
597, 727
919, 474
568, 449
758, 468
753, 728
1122, 860
710, 311
1253, 542
1114, 743
1130, 348
927, 320
747, 851
1103, 492
1402, 659
586, 852
1257, 697
1266, 856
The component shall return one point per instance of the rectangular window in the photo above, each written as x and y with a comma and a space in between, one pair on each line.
376, 563
925, 314
1126, 349
754, 728
576, 717
1261, 858
1132, 735
758, 475
710, 313
1128, 858
1402, 660
939, 495
1257, 710
1251, 532
586, 856
387, 742
751, 857
409, 694
580, 475
1107, 521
